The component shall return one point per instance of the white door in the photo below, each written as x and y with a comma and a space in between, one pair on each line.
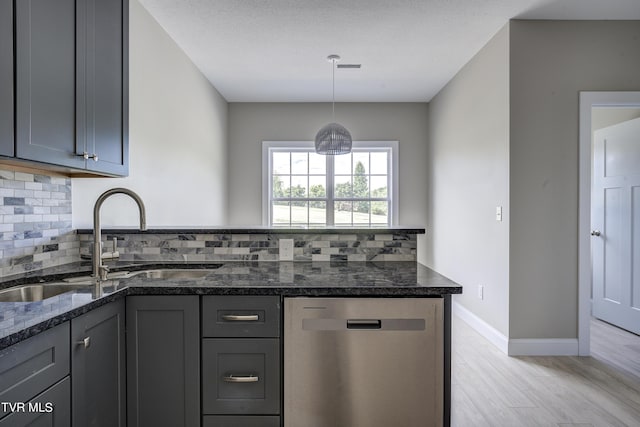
615, 213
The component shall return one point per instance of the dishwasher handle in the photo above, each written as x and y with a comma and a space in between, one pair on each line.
364, 324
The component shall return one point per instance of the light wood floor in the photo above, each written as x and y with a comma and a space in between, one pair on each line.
492, 389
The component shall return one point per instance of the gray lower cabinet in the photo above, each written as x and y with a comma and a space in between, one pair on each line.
98, 367
49, 409
240, 316
6, 78
240, 421
29, 368
163, 361
241, 376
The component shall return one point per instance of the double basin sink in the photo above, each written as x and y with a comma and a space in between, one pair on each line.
42, 291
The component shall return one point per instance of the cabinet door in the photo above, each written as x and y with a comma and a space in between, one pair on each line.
241, 376
31, 366
49, 409
102, 95
243, 316
163, 361
6, 78
45, 82
241, 421
98, 367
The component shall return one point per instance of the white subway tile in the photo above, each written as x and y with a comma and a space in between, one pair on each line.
51, 233
33, 186
21, 176
42, 257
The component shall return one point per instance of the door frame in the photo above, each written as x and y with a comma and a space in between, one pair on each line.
588, 100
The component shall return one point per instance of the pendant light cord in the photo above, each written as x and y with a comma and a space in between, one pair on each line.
333, 95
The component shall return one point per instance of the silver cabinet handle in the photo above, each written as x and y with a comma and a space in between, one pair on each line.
88, 156
241, 379
595, 233
85, 342
240, 317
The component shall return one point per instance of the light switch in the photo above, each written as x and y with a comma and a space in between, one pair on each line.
498, 213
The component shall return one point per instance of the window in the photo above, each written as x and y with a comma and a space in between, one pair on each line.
302, 188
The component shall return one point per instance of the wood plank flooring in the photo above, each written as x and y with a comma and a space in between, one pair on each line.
492, 389
615, 347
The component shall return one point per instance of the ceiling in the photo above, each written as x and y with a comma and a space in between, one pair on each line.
275, 50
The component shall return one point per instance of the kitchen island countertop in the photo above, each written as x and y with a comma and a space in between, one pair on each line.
21, 320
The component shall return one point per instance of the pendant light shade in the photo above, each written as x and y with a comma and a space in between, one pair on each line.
333, 138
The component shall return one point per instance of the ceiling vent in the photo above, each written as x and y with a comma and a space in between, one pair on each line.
349, 65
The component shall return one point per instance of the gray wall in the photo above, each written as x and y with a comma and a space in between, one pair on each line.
551, 61
468, 177
177, 135
252, 123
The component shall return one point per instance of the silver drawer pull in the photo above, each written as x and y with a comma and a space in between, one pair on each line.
241, 379
85, 342
240, 317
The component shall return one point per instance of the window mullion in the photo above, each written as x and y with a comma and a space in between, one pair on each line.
330, 195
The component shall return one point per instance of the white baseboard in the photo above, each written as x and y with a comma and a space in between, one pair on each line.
517, 347
482, 327
543, 347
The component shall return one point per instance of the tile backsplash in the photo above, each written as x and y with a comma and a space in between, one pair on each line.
205, 247
35, 222
36, 232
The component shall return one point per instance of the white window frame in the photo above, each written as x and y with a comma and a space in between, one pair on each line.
392, 170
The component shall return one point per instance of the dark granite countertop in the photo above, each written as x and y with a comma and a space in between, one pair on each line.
19, 321
259, 230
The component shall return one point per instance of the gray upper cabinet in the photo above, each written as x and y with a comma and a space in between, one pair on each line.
46, 82
163, 361
98, 367
102, 95
71, 90
6, 78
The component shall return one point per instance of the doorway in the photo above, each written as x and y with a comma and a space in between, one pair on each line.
599, 110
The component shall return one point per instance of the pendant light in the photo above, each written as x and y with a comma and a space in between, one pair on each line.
333, 138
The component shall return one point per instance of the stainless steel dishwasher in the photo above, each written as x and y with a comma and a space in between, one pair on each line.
363, 362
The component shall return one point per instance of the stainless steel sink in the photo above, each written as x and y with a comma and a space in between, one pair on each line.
174, 273
110, 276
39, 292
156, 273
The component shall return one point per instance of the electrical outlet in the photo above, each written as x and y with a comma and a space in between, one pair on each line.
286, 249
480, 292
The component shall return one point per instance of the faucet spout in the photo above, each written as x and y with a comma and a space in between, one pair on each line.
99, 270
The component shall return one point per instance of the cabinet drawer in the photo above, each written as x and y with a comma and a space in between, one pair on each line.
51, 408
240, 316
240, 421
31, 366
241, 376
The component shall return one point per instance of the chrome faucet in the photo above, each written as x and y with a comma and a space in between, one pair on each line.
99, 270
